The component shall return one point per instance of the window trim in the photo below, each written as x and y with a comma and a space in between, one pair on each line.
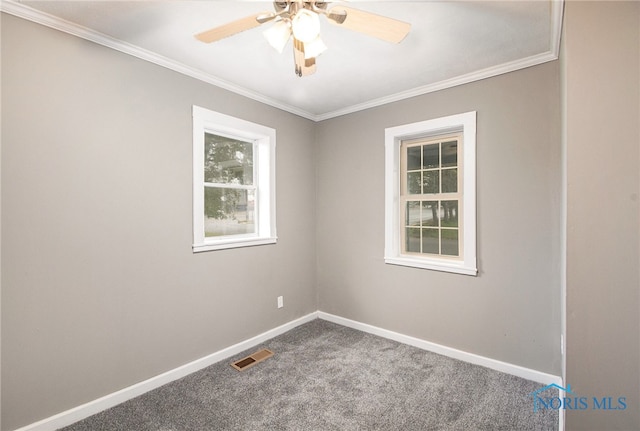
264, 142
466, 124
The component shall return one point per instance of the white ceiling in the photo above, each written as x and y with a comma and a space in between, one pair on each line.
450, 43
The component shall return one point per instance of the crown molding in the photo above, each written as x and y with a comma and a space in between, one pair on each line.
447, 83
22, 11
557, 9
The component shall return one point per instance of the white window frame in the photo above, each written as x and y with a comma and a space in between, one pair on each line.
264, 144
460, 123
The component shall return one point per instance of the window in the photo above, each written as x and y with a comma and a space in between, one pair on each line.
430, 194
430, 197
234, 182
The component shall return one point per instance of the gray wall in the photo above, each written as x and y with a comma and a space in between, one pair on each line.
602, 97
511, 310
100, 288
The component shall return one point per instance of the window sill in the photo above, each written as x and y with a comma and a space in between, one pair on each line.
433, 264
233, 243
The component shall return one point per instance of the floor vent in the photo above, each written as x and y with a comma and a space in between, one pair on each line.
252, 360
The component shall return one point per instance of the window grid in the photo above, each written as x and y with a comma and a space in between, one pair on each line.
430, 197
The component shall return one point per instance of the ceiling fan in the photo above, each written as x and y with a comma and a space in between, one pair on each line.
299, 20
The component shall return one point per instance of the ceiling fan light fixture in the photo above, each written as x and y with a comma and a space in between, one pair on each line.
300, 20
306, 25
314, 48
278, 34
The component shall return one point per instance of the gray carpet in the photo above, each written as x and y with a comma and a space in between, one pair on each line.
325, 376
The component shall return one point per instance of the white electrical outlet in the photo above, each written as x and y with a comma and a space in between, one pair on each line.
280, 301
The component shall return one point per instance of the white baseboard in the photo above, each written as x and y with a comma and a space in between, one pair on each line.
516, 370
85, 410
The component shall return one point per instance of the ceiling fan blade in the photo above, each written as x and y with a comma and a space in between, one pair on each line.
382, 27
234, 27
337, 16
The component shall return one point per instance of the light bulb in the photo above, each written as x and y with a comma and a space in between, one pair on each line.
278, 34
314, 48
306, 25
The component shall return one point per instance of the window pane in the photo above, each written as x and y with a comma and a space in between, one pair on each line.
413, 158
450, 180
431, 156
430, 213
450, 242
413, 183
413, 213
450, 153
431, 182
413, 239
227, 161
430, 241
228, 211
449, 214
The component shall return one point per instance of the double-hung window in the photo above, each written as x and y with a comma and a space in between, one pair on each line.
430, 194
234, 182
